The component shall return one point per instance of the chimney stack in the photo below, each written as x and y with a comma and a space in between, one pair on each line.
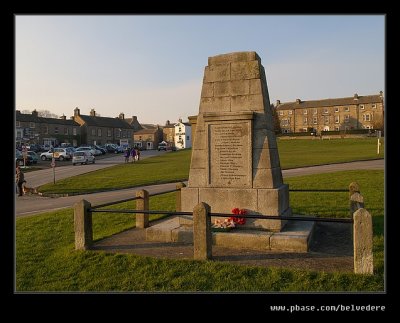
121, 116
77, 112
278, 102
355, 96
35, 113
92, 113
63, 117
298, 101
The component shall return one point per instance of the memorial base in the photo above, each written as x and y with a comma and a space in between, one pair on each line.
271, 202
295, 236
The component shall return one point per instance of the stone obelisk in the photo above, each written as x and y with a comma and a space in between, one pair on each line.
235, 160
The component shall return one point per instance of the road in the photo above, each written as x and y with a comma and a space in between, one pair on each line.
65, 168
32, 204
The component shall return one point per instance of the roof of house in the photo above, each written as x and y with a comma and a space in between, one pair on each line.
24, 117
187, 124
148, 126
105, 122
329, 102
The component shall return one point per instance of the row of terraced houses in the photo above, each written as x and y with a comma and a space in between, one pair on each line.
338, 114
93, 129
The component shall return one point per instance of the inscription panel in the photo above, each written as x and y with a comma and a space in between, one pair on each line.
229, 154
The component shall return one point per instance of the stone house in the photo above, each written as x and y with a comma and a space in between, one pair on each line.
338, 114
169, 133
30, 128
97, 130
147, 139
183, 135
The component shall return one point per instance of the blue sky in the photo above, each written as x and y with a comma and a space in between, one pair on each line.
152, 66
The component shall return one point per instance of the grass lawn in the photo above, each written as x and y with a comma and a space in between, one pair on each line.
174, 167
301, 152
170, 167
46, 259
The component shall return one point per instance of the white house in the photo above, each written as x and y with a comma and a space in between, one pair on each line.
183, 135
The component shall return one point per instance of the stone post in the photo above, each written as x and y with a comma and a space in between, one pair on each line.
83, 225
142, 204
363, 256
202, 240
179, 186
356, 199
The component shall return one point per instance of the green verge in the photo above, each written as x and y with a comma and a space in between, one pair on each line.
46, 259
174, 166
170, 167
301, 152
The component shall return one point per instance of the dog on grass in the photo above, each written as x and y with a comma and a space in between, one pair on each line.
29, 190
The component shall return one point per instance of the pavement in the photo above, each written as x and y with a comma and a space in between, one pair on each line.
33, 204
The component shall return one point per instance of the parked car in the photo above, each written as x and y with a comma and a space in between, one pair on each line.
162, 146
59, 153
103, 150
111, 148
83, 157
19, 158
35, 156
94, 152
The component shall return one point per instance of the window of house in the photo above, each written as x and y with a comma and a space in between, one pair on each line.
74, 131
337, 119
325, 110
45, 129
56, 130
367, 127
284, 122
305, 111
17, 124
374, 106
346, 118
362, 106
281, 113
315, 120
305, 120
118, 134
315, 111
65, 131
93, 132
108, 132
123, 133
336, 109
180, 129
346, 109
31, 125
366, 117
337, 128
326, 119
140, 138
98, 132
290, 112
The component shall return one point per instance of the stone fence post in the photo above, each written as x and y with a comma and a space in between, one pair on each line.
362, 235
356, 199
202, 240
83, 225
179, 186
142, 204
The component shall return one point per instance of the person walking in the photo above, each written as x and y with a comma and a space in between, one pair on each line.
126, 155
137, 153
19, 179
133, 154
